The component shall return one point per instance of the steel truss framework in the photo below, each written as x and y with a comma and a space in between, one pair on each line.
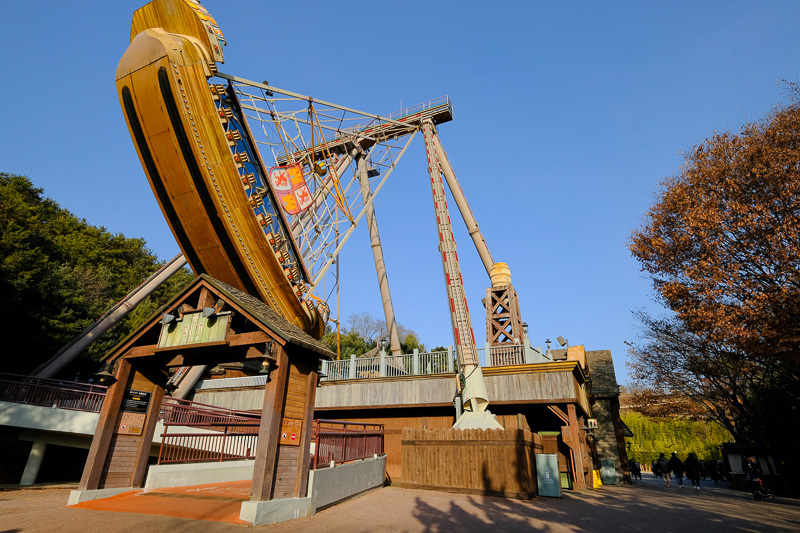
327, 140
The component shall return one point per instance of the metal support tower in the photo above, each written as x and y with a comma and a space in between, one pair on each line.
377, 254
474, 388
463, 206
503, 321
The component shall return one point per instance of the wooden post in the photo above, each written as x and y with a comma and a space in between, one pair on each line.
93, 470
151, 417
269, 431
450, 359
305, 440
577, 448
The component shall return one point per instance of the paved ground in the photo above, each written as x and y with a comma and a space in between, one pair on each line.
647, 506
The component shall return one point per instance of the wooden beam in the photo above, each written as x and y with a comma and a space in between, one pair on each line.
559, 413
106, 425
577, 448
305, 439
233, 340
151, 417
269, 432
214, 357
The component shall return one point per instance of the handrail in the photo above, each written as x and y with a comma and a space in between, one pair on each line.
72, 385
43, 392
340, 445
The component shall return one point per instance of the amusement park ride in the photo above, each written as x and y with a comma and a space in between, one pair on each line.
262, 187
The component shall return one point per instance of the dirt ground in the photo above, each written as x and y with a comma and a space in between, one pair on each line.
645, 506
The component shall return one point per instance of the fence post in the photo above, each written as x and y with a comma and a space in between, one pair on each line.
324, 369
415, 363
530, 358
352, 373
487, 350
382, 367
450, 359
224, 442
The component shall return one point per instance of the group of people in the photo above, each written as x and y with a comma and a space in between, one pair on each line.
692, 467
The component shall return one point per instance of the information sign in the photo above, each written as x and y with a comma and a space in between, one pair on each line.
291, 430
135, 401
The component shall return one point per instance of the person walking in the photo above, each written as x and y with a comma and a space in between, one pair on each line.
694, 470
675, 466
663, 467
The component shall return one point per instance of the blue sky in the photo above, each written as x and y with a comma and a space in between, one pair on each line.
567, 117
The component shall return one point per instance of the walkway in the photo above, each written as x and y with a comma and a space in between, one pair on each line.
646, 506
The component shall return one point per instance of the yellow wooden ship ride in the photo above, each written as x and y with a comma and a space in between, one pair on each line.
201, 161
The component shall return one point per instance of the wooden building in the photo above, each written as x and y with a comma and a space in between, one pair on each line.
209, 323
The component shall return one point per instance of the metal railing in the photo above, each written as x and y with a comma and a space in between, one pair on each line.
175, 411
512, 354
442, 101
420, 364
413, 364
63, 394
220, 434
341, 442
228, 442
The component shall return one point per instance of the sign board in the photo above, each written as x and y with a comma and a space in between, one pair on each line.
291, 430
135, 401
194, 328
591, 423
131, 423
547, 475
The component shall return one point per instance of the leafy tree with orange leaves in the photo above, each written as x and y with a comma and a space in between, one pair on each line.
722, 247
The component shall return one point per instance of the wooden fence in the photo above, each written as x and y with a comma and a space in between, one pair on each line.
492, 462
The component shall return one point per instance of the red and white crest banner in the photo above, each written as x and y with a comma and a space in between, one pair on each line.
290, 187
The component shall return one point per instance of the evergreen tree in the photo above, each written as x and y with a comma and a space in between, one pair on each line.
58, 274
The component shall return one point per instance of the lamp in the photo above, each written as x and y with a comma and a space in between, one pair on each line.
208, 311
104, 376
166, 318
269, 361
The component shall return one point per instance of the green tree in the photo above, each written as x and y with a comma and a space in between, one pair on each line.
58, 274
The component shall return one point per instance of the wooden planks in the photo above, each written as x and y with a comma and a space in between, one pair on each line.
490, 462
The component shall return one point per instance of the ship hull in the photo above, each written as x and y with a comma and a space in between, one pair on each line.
180, 139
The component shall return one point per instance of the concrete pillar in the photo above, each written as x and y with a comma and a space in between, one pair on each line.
415, 367
450, 359
487, 350
33, 464
352, 366
382, 369
324, 369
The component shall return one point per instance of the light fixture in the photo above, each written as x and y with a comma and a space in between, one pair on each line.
208, 311
525, 327
104, 376
166, 318
270, 361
